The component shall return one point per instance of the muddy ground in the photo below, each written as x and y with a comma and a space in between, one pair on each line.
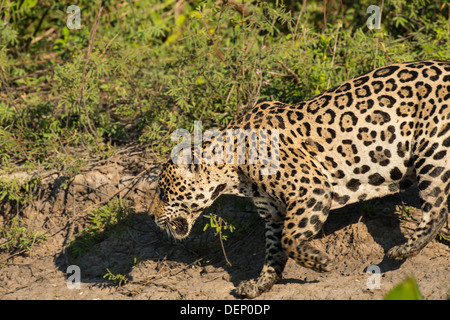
136, 260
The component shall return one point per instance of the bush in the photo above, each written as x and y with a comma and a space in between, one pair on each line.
136, 71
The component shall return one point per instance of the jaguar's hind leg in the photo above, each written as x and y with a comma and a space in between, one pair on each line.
433, 177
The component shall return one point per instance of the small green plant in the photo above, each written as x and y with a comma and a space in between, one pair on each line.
407, 290
219, 225
116, 278
443, 236
15, 190
103, 221
18, 237
406, 212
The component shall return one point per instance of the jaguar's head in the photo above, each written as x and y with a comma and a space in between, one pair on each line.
183, 193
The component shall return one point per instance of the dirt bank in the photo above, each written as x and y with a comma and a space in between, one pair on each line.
133, 259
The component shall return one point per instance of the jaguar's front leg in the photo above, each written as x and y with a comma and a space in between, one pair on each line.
274, 264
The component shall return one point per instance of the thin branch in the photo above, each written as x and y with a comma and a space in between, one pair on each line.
221, 242
239, 7
298, 22
85, 76
334, 53
212, 39
297, 79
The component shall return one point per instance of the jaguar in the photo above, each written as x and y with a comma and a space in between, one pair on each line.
376, 134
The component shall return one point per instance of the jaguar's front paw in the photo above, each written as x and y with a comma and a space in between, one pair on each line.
252, 288
400, 252
248, 289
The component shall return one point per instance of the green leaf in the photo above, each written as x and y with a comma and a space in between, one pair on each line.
407, 290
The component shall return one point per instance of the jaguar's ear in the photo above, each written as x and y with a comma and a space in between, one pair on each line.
218, 191
181, 157
186, 163
195, 168
181, 154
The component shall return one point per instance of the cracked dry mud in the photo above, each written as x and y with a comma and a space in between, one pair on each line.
154, 266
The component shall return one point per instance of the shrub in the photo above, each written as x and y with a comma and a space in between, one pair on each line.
140, 70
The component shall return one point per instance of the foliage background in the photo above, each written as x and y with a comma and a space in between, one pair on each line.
137, 70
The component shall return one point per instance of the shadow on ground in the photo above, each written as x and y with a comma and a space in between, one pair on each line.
134, 252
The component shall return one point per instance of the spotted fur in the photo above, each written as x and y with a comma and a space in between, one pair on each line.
373, 135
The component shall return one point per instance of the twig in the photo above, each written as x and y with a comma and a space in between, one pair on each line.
212, 39
159, 275
89, 187
334, 53
278, 74
41, 276
33, 39
73, 219
229, 95
109, 43
1, 6
237, 6
376, 40
71, 228
130, 186
118, 183
236, 114
296, 25
221, 242
83, 82
9, 256
44, 35
297, 79
35, 73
